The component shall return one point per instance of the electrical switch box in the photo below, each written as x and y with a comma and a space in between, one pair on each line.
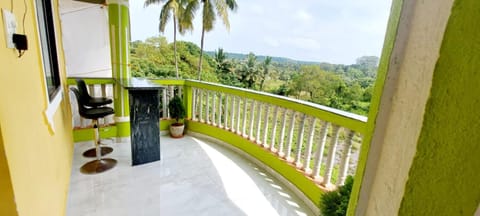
10, 25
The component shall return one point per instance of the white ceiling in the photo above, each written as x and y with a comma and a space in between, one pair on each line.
68, 6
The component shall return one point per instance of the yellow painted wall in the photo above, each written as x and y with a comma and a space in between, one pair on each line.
39, 160
7, 204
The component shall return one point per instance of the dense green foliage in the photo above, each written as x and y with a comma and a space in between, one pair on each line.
153, 58
345, 87
176, 108
183, 12
335, 203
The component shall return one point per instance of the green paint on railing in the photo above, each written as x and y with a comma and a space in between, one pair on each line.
304, 184
123, 129
90, 81
375, 102
169, 82
337, 117
87, 134
165, 124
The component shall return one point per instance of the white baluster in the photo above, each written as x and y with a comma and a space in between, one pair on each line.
331, 156
265, 125
180, 89
219, 116
244, 124
232, 114
214, 106
320, 148
282, 133
200, 105
91, 89
298, 157
194, 104
308, 152
274, 129
109, 93
347, 150
225, 115
238, 116
252, 114
207, 110
290, 136
169, 98
164, 104
103, 90
259, 124
172, 91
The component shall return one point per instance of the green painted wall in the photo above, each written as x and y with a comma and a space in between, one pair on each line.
445, 175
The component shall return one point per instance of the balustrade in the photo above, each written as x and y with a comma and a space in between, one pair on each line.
293, 134
296, 131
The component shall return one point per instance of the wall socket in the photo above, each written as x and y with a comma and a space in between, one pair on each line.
10, 25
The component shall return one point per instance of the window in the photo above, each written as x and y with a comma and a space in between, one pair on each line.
48, 46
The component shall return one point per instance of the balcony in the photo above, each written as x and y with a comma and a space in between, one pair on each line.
243, 148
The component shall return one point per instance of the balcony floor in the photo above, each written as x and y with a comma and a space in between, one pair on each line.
194, 177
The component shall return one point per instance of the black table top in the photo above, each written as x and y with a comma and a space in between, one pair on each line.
140, 84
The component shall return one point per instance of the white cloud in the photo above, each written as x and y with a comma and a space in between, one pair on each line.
257, 9
303, 16
270, 41
334, 31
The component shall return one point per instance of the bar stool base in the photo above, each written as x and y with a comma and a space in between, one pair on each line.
98, 166
91, 153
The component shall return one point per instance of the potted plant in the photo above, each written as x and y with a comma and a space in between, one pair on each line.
177, 112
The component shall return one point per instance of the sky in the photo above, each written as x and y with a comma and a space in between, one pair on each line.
337, 31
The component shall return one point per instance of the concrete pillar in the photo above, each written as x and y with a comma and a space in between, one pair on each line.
119, 29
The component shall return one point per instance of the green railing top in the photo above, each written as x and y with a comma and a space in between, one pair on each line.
338, 117
91, 80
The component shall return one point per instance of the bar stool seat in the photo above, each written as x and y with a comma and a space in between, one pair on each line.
100, 164
90, 101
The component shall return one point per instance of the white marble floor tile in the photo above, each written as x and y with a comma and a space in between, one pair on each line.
193, 177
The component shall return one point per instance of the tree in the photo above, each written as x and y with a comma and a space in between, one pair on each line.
154, 58
183, 12
265, 67
248, 71
223, 69
208, 19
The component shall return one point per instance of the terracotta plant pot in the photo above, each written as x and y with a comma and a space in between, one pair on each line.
176, 130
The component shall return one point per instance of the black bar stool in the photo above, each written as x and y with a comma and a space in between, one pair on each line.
100, 164
93, 102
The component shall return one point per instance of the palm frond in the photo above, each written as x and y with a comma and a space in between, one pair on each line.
232, 5
150, 2
165, 15
209, 17
186, 15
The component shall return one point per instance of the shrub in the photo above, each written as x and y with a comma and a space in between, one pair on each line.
176, 108
335, 203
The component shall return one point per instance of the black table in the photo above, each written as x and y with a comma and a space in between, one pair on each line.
144, 119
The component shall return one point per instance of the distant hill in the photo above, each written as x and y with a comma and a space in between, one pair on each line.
240, 56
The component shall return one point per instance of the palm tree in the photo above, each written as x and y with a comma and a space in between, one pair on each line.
266, 70
183, 12
208, 19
